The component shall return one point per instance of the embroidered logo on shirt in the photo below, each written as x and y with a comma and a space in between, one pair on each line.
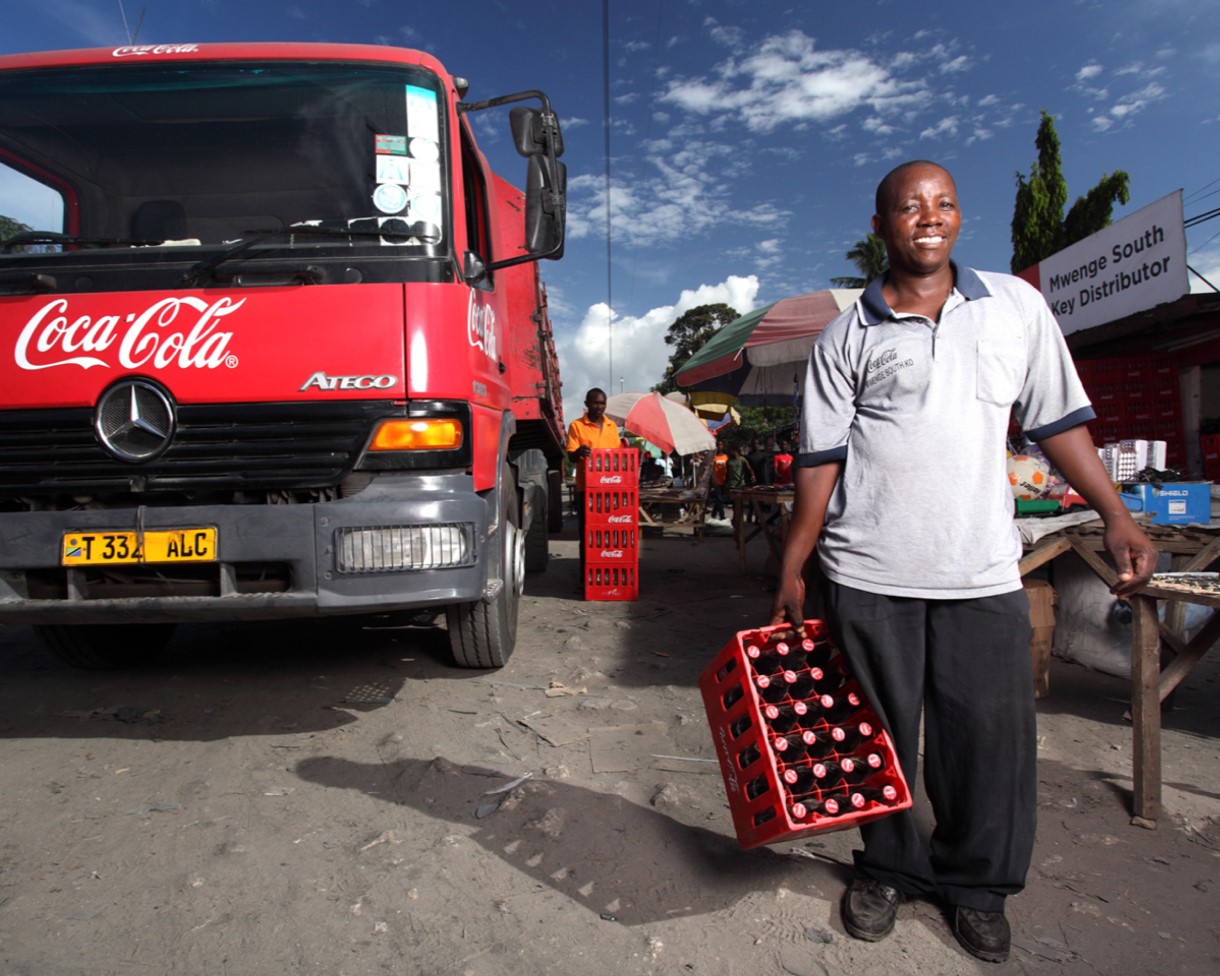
884, 365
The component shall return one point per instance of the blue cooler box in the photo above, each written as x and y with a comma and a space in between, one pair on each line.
1173, 503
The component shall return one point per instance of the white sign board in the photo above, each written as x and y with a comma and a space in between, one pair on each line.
1137, 263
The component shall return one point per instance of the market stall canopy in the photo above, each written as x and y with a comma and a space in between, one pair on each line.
760, 357
672, 426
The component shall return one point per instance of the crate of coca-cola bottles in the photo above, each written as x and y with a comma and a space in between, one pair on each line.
611, 555
801, 749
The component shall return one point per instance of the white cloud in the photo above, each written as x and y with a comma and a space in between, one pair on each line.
691, 192
1088, 72
785, 80
1127, 106
945, 127
607, 348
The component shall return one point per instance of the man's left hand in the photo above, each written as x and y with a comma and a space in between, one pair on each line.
1133, 553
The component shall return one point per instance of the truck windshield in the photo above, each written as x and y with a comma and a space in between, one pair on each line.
205, 155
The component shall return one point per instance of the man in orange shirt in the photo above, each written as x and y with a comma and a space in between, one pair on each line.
592, 431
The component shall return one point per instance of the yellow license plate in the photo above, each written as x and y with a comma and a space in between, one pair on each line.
161, 546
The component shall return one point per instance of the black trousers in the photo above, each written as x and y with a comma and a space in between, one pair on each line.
963, 664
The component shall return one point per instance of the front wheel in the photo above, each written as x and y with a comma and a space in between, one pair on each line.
106, 646
482, 634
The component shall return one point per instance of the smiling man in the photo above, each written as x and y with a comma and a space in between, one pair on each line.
925, 597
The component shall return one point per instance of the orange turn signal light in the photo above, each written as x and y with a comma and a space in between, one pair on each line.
423, 434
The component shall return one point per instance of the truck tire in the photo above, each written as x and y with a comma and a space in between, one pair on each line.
106, 646
482, 634
537, 542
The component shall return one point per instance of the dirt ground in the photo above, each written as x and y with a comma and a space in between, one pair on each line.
330, 798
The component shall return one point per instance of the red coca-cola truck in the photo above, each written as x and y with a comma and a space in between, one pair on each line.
274, 345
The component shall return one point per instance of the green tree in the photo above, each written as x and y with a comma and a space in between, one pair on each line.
11, 228
1039, 228
686, 335
870, 259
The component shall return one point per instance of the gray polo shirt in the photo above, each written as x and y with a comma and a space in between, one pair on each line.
918, 411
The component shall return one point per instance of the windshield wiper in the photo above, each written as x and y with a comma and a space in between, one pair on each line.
207, 267
52, 237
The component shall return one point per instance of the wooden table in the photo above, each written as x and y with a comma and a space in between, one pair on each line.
689, 505
772, 508
1192, 548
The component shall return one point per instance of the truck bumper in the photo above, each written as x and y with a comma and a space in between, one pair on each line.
374, 552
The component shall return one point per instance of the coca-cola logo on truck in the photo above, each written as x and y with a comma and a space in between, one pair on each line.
181, 332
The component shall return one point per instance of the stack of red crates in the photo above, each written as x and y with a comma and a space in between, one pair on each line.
801, 749
612, 514
1135, 398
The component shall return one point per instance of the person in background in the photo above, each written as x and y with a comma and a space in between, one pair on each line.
739, 474
925, 599
782, 464
758, 462
590, 432
720, 474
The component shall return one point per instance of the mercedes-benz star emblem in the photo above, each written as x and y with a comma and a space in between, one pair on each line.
135, 420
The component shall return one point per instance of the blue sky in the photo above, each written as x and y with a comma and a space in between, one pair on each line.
747, 136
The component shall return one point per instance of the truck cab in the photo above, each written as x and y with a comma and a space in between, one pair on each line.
274, 344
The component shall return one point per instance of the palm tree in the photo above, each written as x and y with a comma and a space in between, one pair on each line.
869, 257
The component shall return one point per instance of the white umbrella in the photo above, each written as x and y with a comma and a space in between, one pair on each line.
671, 426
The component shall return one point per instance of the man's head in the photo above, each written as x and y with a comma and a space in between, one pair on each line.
595, 403
917, 217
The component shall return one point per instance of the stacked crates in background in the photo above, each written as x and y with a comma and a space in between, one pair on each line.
612, 532
1135, 398
800, 748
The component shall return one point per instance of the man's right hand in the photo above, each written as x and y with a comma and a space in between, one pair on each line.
789, 604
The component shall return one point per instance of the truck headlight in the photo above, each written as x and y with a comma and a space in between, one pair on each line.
399, 548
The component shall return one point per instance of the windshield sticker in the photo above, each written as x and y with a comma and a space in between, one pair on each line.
394, 145
421, 114
425, 149
426, 206
393, 169
390, 198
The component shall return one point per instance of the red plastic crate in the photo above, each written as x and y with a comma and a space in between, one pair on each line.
612, 506
617, 468
763, 805
609, 580
621, 540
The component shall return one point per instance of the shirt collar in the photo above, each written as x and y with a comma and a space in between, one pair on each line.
874, 309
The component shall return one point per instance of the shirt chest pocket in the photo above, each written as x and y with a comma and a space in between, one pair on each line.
999, 371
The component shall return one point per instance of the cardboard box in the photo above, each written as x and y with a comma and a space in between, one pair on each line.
1173, 503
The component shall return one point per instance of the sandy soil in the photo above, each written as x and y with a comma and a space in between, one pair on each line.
329, 798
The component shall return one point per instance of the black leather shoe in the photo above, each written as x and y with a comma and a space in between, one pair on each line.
985, 935
870, 909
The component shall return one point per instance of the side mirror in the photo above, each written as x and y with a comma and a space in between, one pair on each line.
473, 268
533, 129
546, 187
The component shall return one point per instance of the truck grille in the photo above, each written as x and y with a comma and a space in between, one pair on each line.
277, 446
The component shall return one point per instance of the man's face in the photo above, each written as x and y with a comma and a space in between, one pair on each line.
920, 220
595, 405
